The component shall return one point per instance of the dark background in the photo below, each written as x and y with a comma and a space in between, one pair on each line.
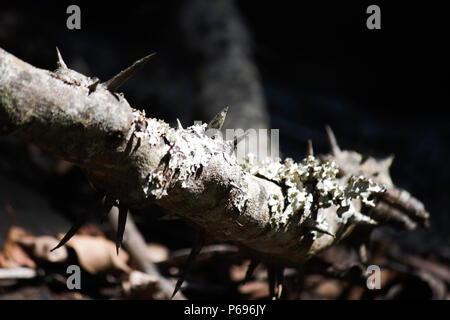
382, 91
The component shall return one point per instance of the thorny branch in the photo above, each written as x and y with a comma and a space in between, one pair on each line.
281, 213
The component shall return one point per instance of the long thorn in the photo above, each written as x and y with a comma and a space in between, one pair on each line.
333, 142
200, 241
123, 212
218, 120
60, 62
73, 230
119, 79
312, 225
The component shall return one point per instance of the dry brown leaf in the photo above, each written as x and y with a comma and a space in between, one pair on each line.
4, 261
140, 286
356, 293
98, 255
330, 289
40, 248
15, 254
91, 229
255, 289
16, 234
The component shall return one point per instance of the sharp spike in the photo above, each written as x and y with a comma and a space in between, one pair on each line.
199, 242
332, 140
73, 230
251, 269
119, 79
312, 225
60, 62
218, 120
310, 150
179, 125
123, 213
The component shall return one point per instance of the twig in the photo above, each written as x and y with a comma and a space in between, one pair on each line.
17, 273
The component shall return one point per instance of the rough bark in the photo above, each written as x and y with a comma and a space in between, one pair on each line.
141, 161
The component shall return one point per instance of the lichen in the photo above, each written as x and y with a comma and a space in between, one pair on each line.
312, 185
190, 150
321, 223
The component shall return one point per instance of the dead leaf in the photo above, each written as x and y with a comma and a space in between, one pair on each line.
40, 248
329, 289
356, 293
255, 289
4, 261
140, 285
15, 254
98, 255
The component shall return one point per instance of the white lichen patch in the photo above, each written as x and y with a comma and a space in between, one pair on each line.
351, 215
362, 188
321, 223
190, 150
312, 185
148, 128
242, 195
157, 185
